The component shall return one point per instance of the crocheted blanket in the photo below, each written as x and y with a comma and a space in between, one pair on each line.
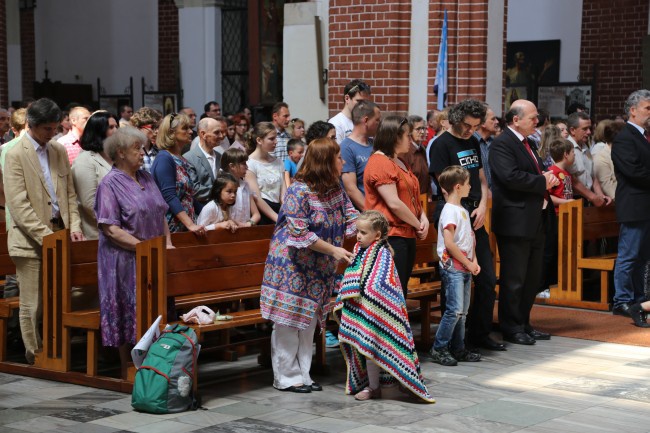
374, 323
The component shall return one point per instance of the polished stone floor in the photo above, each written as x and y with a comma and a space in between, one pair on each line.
562, 385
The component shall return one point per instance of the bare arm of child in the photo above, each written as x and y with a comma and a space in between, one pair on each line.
287, 178
228, 225
255, 216
558, 201
455, 252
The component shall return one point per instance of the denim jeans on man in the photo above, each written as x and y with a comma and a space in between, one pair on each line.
633, 253
451, 331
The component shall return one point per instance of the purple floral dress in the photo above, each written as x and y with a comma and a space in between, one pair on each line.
298, 281
140, 212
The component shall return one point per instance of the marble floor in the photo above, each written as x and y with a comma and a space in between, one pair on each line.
562, 385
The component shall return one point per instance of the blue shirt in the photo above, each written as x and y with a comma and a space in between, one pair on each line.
355, 157
291, 167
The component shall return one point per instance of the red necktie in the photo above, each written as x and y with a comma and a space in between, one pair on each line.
532, 155
539, 170
647, 135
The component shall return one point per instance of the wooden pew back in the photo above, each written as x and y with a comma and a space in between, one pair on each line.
578, 225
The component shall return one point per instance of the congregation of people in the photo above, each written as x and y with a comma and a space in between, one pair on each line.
135, 175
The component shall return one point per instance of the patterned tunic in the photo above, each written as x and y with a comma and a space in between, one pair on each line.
138, 211
298, 281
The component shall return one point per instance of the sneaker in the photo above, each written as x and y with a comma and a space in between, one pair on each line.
467, 356
546, 294
443, 357
330, 340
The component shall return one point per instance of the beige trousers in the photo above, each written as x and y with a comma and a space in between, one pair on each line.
29, 272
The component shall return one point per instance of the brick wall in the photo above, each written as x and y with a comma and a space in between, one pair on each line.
27, 52
167, 46
466, 48
4, 88
610, 52
369, 39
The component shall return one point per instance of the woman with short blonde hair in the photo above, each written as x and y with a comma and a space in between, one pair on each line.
170, 171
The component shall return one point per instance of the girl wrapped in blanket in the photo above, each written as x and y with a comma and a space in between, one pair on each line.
374, 332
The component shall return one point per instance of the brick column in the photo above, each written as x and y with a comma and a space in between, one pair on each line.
369, 39
466, 48
27, 52
610, 51
4, 86
167, 46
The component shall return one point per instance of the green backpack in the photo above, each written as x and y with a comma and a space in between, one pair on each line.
163, 384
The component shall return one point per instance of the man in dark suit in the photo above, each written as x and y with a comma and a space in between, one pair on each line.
520, 203
631, 158
204, 160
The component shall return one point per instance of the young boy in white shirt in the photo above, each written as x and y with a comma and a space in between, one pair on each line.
457, 265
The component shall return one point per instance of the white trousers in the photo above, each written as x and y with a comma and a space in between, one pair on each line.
291, 353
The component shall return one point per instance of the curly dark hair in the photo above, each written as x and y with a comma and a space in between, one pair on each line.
468, 107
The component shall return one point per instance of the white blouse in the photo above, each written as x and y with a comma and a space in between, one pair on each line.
270, 177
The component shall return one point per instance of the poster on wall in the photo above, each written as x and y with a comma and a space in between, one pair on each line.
529, 65
556, 99
163, 102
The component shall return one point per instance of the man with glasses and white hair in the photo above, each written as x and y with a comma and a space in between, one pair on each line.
354, 91
631, 158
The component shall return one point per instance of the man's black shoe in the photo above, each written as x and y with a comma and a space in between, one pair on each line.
637, 316
539, 335
622, 310
490, 344
519, 338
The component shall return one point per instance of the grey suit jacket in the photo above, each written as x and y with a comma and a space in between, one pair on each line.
201, 173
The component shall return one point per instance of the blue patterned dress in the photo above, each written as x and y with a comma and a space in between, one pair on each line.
298, 281
138, 210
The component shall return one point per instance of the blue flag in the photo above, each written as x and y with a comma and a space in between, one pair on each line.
440, 85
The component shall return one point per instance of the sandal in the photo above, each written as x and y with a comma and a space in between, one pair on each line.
367, 394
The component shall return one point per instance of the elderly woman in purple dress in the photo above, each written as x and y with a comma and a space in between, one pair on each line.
129, 209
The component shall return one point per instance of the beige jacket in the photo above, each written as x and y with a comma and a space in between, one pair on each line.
29, 200
88, 169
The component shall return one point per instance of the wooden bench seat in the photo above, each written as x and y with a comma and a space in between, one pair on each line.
578, 226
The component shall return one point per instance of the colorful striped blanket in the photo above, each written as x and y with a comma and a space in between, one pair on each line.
374, 323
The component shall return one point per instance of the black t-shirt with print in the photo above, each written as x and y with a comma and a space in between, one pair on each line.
448, 150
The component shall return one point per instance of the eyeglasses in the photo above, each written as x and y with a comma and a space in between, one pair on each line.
421, 128
403, 122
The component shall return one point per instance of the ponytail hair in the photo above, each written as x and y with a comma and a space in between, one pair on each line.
260, 130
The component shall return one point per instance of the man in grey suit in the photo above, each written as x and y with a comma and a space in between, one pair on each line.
204, 160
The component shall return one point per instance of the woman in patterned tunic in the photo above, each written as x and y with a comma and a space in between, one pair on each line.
129, 209
300, 270
170, 171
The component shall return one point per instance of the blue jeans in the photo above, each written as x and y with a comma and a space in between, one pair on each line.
451, 331
633, 253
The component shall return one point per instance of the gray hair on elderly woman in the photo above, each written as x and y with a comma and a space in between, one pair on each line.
122, 140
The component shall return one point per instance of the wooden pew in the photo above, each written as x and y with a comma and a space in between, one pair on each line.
67, 265
9, 305
578, 225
